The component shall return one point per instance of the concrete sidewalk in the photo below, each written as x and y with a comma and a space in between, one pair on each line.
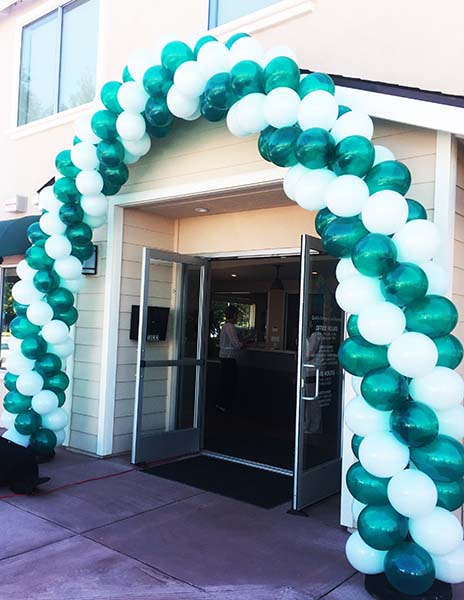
131, 536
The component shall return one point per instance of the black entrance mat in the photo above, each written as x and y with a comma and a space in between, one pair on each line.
247, 484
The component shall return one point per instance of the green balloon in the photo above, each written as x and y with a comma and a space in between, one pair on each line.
385, 389
343, 110
68, 316
341, 234
60, 299
66, 191
79, 234
157, 112
82, 252
202, 41
48, 365
263, 142
158, 132
28, 422
21, 328
65, 165
374, 255
43, 442
9, 381
389, 175
381, 527
352, 326
61, 398
126, 76
57, 382
71, 213
117, 176
14, 402
316, 81
415, 210
315, 148
174, 54
20, 309
366, 488
450, 351
219, 93
157, 81
442, 459
409, 568
34, 347
110, 189
34, 233
37, 258
103, 124
359, 357
281, 71
450, 494
46, 281
355, 443
210, 113
281, 146
323, 218
354, 155
109, 96
110, 154
433, 315
404, 284
246, 77
233, 38
414, 424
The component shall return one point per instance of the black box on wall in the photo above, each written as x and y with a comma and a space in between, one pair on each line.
157, 323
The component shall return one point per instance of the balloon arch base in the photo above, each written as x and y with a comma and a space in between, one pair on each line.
379, 587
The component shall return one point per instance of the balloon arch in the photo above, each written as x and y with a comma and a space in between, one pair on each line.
407, 420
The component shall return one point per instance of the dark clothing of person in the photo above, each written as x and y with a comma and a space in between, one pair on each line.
18, 467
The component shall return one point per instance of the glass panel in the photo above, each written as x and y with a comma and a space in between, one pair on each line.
228, 11
9, 279
78, 68
37, 83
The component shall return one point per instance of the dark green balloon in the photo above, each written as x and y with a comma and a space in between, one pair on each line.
157, 112
46, 281
323, 218
109, 96
103, 124
389, 175
354, 155
374, 255
174, 54
71, 213
117, 176
28, 422
110, 189
316, 81
66, 191
202, 41
65, 165
219, 93
68, 316
158, 132
341, 234
233, 38
21, 328
342, 110
79, 234
43, 442
359, 357
409, 568
450, 351
404, 284
210, 113
381, 527
37, 258
246, 77
48, 365
9, 381
14, 402
450, 494
263, 142
442, 459
20, 309
352, 326
281, 71
366, 488
110, 153
433, 315
157, 81
385, 389
34, 347
60, 298
355, 443
126, 76
314, 148
57, 382
415, 210
82, 252
34, 233
61, 398
414, 424
281, 146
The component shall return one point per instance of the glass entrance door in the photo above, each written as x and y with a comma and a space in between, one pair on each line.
171, 355
317, 467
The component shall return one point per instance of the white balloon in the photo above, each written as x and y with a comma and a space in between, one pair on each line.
417, 241
356, 384
362, 557
179, 104
39, 312
62, 350
381, 322
195, 115
58, 246
412, 493
73, 285
438, 278
29, 383
139, 147
55, 332
89, 183
451, 422
381, 154
189, 79
291, 179
277, 51
356, 509
16, 437
7, 419
346, 195
246, 48
60, 437
356, 292
450, 567
24, 292
130, 159
139, 62
362, 419
14, 343
318, 109
440, 388
94, 222
345, 268
68, 267
311, 188
17, 363
413, 354
439, 532
281, 107
55, 420
213, 57
352, 123
382, 455
84, 156
95, 206
247, 115
132, 96
83, 129
48, 201
130, 126
44, 402
385, 212
24, 271
51, 224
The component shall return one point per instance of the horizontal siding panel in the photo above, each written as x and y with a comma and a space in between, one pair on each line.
87, 354
422, 168
122, 443
142, 219
423, 193
124, 408
459, 228
416, 142
83, 441
89, 336
84, 424
145, 237
85, 406
86, 389
459, 256
128, 355
90, 371
90, 301
383, 128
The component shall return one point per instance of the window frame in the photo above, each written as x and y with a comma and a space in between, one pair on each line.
213, 14
3, 279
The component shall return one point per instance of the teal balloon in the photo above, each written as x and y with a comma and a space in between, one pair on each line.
263, 142
281, 146
385, 389
442, 459
110, 189
109, 96
79, 234
48, 365
158, 132
374, 255
57, 382
450, 494
110, 153
61, 397
341, 235
46, 281
43, 442
14, 402
281, 71
66, 191
35, 233
404, 284
233, 38
352, 326
323, 218
68, 316
354, 155
37, 258
76, 140
71, 213
343, 110
314, 148
20, 309
22, 328
28, 422
82, 252
314, 82
60, 298
415, 210
202, 41
381, 527
389, 175
359, 357
366, 488
157, 81
157, 112
103, 124
65, 165
409, 568
126, 76
414, 424
219, 93
355, 443
174, 54
450, 351
9, 381
210, 113
246, 77
34, 347
433, 315
118, 175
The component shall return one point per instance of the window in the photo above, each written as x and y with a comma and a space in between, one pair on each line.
223, 11
8, 279
58, 61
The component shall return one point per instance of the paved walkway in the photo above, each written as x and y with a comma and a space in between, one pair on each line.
132, 536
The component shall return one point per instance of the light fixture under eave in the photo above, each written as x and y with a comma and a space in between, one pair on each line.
233, 274
201, 209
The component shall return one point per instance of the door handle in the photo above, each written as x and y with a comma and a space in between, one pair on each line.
316, 392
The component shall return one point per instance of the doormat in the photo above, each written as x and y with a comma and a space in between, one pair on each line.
233, 480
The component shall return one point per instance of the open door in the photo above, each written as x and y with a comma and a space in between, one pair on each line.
170, 357
317, 468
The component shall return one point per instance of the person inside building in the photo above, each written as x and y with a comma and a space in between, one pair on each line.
229, 347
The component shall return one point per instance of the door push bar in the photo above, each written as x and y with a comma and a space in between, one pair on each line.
303, 383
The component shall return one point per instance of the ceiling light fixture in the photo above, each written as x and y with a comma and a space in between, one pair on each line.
233, 274
201, 209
